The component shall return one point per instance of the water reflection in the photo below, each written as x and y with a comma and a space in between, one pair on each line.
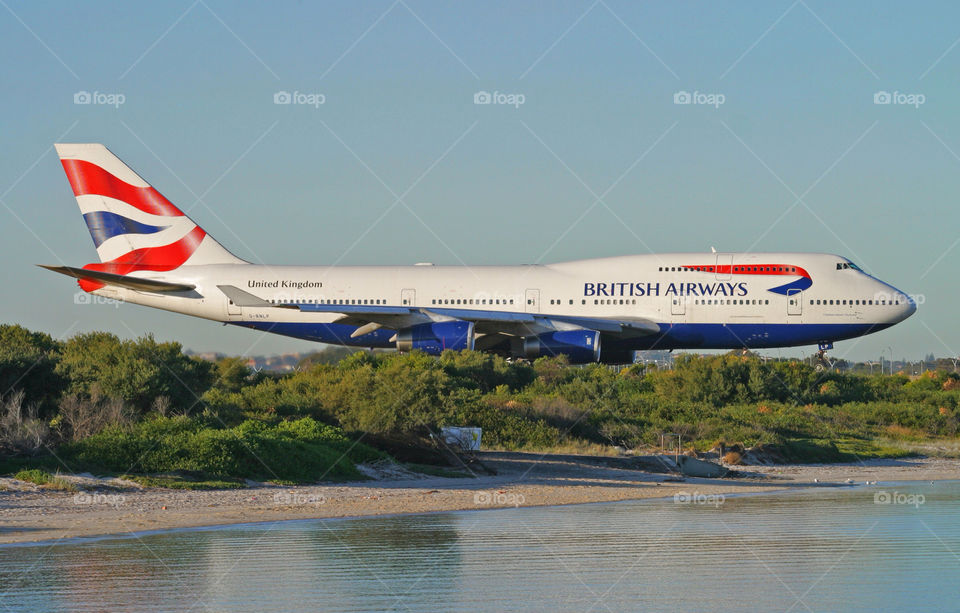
822, 550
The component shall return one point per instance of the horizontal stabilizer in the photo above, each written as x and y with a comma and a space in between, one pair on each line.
135, 283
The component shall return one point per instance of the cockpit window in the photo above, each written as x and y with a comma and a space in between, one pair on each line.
847, 265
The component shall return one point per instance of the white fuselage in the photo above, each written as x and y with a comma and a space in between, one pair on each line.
705, 300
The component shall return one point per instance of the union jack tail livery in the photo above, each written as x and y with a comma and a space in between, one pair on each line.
133, 226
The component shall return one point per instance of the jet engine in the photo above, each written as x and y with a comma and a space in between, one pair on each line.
434, 338
580, 346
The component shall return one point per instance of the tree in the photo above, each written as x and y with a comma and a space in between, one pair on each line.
99, 365
28, 362
232, 374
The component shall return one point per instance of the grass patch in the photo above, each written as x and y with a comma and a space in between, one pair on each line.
865, 450
45, 480
34, 476
184, 482
904, 433
828, 451
60, 484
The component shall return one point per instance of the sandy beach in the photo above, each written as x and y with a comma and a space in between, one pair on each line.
29, 513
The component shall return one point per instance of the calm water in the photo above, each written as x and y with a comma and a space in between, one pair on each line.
821, 550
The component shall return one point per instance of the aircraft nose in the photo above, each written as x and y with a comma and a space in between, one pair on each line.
908, 306
911, 306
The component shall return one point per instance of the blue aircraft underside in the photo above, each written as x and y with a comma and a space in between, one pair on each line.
672, 336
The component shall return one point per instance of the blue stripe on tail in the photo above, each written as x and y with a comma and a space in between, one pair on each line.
104, 225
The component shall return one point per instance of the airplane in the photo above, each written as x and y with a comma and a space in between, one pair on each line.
597, 310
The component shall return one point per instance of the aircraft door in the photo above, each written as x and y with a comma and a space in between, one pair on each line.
678, 305
408, 297
533, 301
724, 266
233, 311
794, 302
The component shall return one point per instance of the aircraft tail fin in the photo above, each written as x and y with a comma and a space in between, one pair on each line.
132, 225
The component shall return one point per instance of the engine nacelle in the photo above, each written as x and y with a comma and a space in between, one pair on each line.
580, 346
434, 338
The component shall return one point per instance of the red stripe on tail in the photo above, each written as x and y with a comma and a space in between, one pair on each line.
160, 259
88, 178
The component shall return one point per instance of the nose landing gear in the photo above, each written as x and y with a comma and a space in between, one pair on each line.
823, 363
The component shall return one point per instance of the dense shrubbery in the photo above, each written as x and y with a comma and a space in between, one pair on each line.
707, 399
297, 451
99, 365
145, 406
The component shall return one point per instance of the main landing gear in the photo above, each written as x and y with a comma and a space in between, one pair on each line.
824, 363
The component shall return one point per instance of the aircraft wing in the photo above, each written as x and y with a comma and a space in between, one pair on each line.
370, 317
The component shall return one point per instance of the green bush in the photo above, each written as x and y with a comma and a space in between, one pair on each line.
288, 427
303, 451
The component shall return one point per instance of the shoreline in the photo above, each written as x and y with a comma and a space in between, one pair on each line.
34, 515
219, 526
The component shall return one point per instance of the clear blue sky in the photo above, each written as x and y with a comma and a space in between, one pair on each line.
798, 156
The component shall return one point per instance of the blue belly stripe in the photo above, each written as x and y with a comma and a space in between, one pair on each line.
673, 336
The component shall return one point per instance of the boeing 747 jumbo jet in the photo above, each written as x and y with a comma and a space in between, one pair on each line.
603, 310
